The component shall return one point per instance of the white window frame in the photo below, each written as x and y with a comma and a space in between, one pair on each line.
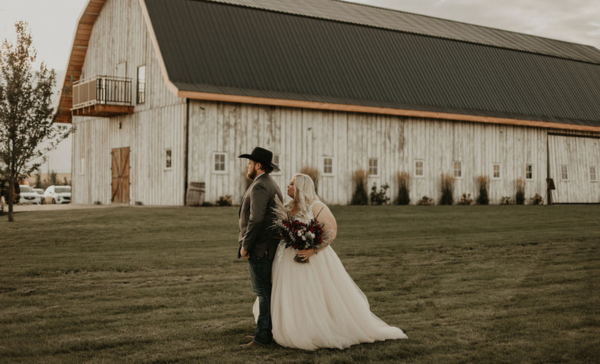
460, 170
499, 171
422, 175
214, 163
564, 168
140, 86
376, 160
167, 150
82, 166
527, 166
332, 166
595, 175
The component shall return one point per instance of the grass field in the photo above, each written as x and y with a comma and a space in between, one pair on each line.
479, 284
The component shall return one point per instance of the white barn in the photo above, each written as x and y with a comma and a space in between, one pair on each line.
164, 93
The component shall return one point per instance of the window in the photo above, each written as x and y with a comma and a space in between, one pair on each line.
373, 167
593, 175
82, 166
275, 161
496, 171
141, 84
220, 162
564, 173
419, 166
168, 160
529, 171
457, 169
328, 165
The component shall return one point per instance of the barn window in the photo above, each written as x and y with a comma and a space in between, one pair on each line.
82, 166
276, 162
373, 167
564, 172
529, 171
457, 169
593, 175
220, 162
419, 166
141, 84
496, 172
168, 159
328, 166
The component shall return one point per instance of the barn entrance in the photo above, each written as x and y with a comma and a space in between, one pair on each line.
120, 175
573, 165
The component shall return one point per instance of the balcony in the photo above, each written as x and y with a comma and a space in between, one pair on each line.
102, 96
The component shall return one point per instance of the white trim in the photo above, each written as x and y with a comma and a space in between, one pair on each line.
376, 167
454, 169
213, 163
562, 174
595, 174
532, 172
422, 175
165, 160
499, 171
82, 166
332, 173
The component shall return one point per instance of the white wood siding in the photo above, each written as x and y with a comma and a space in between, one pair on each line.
119, 37
303, 137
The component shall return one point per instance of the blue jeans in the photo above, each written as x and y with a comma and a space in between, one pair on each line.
260, 276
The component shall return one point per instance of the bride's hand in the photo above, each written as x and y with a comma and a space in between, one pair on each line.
305, 254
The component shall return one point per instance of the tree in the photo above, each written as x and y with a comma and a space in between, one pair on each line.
26, 118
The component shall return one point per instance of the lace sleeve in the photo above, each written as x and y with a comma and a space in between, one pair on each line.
327, 240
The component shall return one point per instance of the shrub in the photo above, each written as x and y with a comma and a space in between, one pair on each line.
379, 198
207, 204
484, 183
447, 186
506, 200
403, 179
466, 199
520, 197
360, 196
314, 174
224, 201
537, 199
425, 201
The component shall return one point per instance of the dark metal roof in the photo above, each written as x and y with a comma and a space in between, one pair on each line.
212, 47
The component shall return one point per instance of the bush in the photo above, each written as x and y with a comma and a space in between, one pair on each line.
379, 198
466, 199
207, 204
360, 196
425, 201
506, 200
484, 183
520, 197
537, 199
447, 186
403, 179
314, 174
224, 201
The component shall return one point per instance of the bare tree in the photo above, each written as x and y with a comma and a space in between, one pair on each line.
25, 111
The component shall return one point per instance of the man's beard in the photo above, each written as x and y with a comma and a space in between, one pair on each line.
252, 174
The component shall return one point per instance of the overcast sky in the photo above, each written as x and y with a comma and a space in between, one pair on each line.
52, 23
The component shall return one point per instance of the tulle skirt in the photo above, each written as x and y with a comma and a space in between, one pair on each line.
317, 305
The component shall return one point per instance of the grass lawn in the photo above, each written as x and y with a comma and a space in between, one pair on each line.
479, 284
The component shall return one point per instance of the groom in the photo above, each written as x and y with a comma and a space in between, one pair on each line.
257, 241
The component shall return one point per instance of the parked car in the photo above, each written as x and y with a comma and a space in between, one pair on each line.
29, 196
58, 194
40, 191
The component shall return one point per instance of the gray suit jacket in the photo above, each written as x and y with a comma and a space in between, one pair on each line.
257, 217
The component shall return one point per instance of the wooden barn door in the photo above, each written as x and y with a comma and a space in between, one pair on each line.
120, 175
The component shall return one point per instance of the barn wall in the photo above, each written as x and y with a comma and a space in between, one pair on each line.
303, 137
119, 43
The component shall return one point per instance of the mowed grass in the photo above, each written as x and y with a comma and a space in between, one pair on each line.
479, 284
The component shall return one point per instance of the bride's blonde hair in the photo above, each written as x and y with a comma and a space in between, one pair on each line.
304, 194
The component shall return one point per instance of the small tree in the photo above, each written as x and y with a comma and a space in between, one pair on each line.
520, 197
38, 180
447, 188
484, 182
403, 179
360, 195
25, 111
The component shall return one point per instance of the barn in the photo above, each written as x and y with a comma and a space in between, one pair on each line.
165, 94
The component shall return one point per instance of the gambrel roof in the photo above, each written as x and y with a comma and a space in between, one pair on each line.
328, 54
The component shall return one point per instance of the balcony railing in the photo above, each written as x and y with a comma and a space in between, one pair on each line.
102, 90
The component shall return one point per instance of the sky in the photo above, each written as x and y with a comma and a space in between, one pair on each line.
52, 23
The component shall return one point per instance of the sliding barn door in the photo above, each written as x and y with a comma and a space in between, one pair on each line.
120, 175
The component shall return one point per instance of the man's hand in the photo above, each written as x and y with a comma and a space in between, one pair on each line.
244, 253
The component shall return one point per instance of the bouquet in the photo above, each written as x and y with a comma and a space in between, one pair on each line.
296, 234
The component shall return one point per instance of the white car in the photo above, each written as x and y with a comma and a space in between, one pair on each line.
58, 194
28, 195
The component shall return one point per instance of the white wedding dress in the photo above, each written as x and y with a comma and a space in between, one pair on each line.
317, 305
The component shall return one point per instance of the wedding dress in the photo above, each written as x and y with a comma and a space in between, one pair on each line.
318, 305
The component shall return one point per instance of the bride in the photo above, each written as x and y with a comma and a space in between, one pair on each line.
317, 305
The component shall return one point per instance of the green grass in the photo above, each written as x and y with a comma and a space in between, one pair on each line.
479, 284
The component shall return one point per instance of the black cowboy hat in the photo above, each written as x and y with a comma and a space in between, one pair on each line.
262, 156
